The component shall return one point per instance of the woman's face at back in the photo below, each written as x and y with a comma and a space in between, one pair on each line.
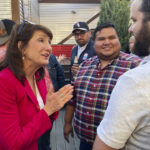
38, 50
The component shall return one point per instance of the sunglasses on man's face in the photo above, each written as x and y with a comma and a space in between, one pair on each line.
81, 33
22, 25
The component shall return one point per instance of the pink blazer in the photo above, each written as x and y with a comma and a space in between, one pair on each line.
21, 120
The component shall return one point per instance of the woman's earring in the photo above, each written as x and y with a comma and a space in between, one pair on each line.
22, 57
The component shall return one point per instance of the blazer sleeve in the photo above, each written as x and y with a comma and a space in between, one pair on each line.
14, 135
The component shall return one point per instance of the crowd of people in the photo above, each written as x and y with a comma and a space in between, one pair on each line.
94, 83
107, 102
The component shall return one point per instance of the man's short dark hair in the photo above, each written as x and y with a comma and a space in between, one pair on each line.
102, 26
145, 8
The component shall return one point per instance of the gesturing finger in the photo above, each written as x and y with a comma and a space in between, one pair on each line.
68, 89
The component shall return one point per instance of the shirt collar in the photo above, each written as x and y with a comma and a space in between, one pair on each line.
110, 63
83, 47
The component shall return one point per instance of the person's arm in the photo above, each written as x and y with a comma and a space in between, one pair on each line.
100, 145
17, 132
60, 75
21, 124
68, 129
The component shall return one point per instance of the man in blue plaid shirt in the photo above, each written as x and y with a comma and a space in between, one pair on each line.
94, 83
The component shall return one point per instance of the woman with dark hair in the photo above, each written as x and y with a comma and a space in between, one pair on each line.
27, 109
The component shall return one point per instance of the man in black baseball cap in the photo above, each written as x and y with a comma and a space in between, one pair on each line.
84, 48
80, 26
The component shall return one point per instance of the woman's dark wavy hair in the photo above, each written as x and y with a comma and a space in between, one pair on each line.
13, 58
145, 8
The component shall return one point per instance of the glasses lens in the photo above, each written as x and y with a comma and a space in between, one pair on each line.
79, 33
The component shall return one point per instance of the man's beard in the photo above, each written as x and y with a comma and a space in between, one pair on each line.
81, 43
142, 43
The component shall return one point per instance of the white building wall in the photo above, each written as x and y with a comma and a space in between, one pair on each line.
31, 10
35, 11
60, 18
5, 9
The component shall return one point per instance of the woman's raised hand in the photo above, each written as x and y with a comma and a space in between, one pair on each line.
56, 100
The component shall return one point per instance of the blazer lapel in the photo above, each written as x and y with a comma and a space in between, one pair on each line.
31, 95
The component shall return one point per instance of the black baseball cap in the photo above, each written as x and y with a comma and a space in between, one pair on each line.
80, 26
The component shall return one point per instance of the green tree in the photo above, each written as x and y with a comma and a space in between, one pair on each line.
117, 12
